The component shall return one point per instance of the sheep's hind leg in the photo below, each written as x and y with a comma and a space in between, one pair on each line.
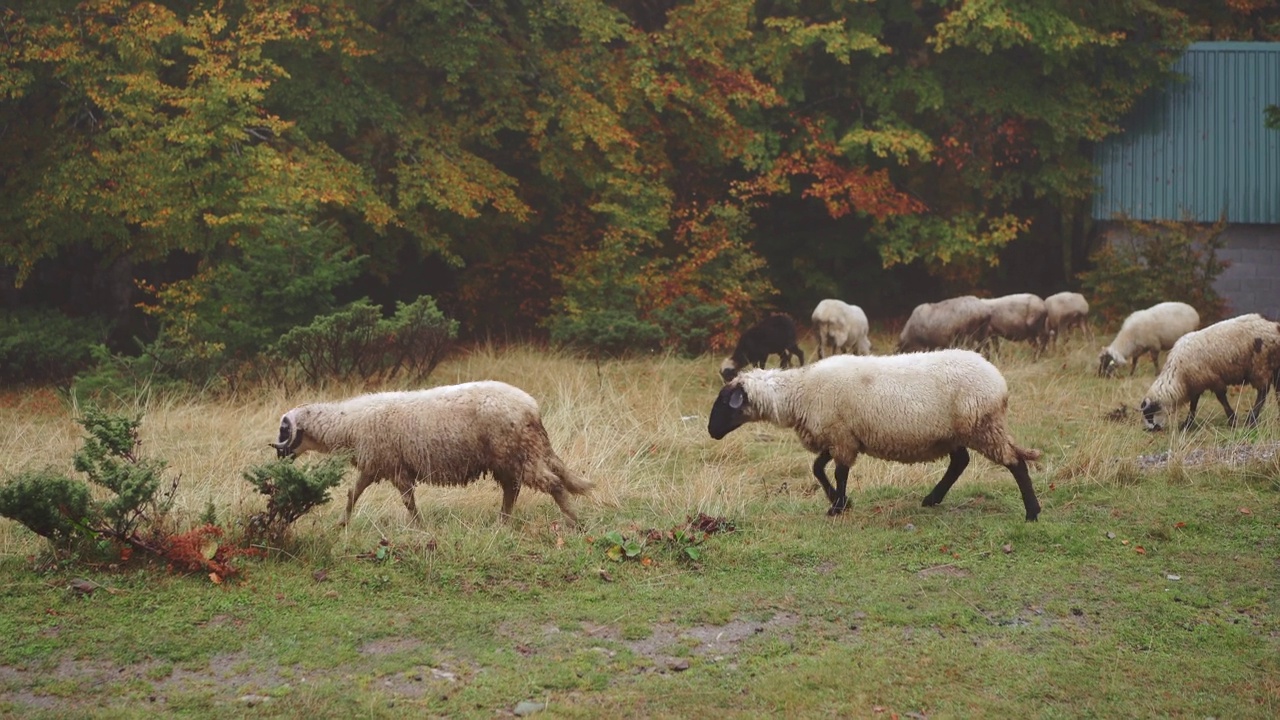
1029, 501
1252, 419
959, 461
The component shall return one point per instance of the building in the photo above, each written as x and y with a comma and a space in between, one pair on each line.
1201, 149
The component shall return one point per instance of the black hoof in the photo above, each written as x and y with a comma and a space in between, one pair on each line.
837, 507
929, 501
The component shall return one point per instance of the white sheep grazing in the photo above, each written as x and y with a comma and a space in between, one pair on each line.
1063, 311
1242, 350
906, 408
1148, 331
963, 320
448, 435
841, 328
1018, 317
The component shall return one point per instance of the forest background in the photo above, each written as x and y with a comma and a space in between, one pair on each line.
185, 183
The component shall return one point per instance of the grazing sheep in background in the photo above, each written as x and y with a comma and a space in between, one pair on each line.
841, 328
1242, 350
774, 335
963, 320
1147, 331
1018, 317
907, 408
448, 435
1063, 311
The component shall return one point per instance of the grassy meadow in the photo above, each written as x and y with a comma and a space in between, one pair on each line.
1149, 587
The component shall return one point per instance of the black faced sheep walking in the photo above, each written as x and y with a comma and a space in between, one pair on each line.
906, 408
774, 335
448, 435
1242, 350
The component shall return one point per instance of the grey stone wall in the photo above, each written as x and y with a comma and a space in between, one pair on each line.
1252, 282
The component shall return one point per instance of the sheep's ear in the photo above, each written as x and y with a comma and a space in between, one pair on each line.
736, 398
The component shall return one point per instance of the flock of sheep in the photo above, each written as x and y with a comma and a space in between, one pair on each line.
936, 396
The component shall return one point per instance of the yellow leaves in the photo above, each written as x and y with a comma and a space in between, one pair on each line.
885, 141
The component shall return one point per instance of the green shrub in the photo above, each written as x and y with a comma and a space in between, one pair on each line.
40, 346
357, 342
110, 458
236, 305
292, 491
690, 325
121, 379
48, 503
1153, 262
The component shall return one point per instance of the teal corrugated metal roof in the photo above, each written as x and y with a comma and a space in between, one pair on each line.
1201, 147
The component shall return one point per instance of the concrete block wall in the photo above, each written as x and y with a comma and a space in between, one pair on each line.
1252, 282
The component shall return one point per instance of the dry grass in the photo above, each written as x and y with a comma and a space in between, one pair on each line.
637, 429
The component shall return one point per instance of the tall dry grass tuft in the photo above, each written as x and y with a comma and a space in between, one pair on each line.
637, 429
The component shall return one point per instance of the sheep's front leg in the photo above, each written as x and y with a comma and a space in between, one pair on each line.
511, 491
406, 495
842, 480
1195, 402
365, 480
959, 461
820, 472
1256, 410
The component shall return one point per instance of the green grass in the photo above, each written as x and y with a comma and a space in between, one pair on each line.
963, 610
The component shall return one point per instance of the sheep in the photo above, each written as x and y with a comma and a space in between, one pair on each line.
949, 323
840, 328
447, 435
1064, 311
775, 334
1147, 331
1242, 350
1018, 317
907, 408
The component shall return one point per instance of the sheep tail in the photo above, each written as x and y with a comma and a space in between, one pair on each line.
569, 480
1029, 455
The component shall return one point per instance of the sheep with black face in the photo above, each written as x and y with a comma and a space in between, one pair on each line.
1244, 350
774, 335
906, 408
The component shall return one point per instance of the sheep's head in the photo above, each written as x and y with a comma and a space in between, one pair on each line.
730, 410
1108, 361
1154, 416
291, 436
728, 369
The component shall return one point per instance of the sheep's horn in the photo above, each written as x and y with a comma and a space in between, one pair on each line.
278, 446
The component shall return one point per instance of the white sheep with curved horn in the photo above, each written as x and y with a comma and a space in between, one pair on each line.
449, 435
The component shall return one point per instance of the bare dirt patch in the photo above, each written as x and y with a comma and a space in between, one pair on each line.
945, 571
1235, 454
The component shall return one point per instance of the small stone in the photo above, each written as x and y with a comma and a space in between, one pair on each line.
528, 707
909, 527
1173, 577
1007, 548
679, 665
1111, 536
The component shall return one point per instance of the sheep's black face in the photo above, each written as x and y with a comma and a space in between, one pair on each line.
729, 412
1153, 415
